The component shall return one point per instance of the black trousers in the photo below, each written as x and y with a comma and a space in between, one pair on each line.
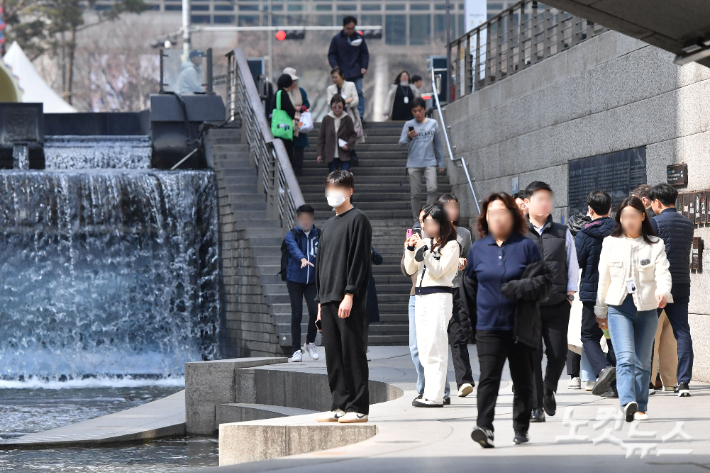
555, 319
297, 291
591, 336
494, 347
346, 357
288, 144
574, 362
297, 160
459, 346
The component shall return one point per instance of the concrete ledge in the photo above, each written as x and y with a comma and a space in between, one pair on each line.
243, 412
247, 442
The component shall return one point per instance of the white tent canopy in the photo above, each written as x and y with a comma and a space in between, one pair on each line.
34, 88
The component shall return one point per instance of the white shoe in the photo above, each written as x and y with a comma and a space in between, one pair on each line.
590, 385
331, 416
640, 417
465, 390
297, 357
312, 351
574, 383
352, 418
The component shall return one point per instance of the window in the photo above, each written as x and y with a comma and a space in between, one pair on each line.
342, 7
394, 7
440, 6
249, 7
219, 7
277, 8
395, 29
295, 7
325, 20
371, 20
200, 8
440, 27
371, 7
248, 20
461, 28
324, 7
228, 19
201, 19
419, 29
418, 7
173, 7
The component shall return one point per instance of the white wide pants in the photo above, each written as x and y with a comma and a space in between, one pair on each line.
432, 313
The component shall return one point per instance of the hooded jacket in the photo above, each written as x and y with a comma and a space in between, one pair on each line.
588, 243
189, 81
299, 247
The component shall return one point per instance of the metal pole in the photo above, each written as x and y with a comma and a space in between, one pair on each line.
186, 46
271, 45
448, 52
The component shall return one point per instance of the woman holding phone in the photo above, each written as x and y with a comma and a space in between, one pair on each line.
435, 261
634, 281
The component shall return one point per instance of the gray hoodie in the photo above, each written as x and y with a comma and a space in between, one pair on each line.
426, 149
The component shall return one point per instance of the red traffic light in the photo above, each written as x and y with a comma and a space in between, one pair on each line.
281, 35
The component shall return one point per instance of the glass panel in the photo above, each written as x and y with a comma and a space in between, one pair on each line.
249, 7
173, 7
417, 7
394, 7
324, 7
371, 20
347, 7
228, 20
295, 7
247, 20
370, 7
396, 29
325, 20
200, 19
219, 7
440, 28
200, 8
419, 29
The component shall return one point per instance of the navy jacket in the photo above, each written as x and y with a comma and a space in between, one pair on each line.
350, 58
300, 247
301, 141
588, 243
677, 234
373, 308
489, 268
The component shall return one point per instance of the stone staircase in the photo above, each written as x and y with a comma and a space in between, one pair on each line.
382, 192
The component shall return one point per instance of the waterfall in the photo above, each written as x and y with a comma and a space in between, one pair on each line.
91, 152
106, 272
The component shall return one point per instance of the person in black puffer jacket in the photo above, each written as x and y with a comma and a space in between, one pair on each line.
588, 243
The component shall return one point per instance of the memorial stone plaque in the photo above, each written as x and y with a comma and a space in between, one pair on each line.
616, 173
703, 207
697, 208
686, 203
691, 208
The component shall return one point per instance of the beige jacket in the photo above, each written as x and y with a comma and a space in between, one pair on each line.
441, 266
623, 258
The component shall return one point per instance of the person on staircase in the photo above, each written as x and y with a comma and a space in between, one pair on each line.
285, 85
302, 246
349, 93
299, 100
426, 153
400, 97
457, 332
336, 137
348, 51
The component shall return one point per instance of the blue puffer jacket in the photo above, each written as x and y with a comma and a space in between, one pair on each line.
351, 59
677, 234
300, 247
588, 243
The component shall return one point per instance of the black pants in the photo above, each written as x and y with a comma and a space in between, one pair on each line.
494, 347
288, 144
574, 362
345, 356
297, 160
297, 291
555, 319
459, 346
591, 336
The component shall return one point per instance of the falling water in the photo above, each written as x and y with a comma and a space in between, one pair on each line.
20, 156
107, 272
92, 152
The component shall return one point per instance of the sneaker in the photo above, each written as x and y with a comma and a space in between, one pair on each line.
353, 418
589, 386
417, 398
549, 403
465, 390
297, 357
682, 390
630, 410
651, 389
423, 402
575, 383
332, 416
611, 394
520, 437
312, 351
537, 415
640, 416
447, 401
482, 437
604, 380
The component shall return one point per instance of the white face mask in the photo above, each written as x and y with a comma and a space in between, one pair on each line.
335, 198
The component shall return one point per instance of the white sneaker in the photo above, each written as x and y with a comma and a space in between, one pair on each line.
352, 418
297, 357
312, 351
574, 383
465, 390
590, 385
640, 417
331, 416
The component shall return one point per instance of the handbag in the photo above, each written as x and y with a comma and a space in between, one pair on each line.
359, 132
281, 123
306, 123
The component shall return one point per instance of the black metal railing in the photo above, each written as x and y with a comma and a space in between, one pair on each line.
516, 38
276, 177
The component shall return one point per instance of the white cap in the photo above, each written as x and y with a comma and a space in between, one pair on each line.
292, 72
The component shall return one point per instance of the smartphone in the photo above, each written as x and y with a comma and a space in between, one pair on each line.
411, 128
418, 231
318, 326
409, 233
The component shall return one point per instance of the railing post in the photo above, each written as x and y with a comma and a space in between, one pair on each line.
467, 68
477, 72
522, 37
499, 48
487, 78
534, 25
511, 44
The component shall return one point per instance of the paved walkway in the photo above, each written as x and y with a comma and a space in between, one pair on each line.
162, 418
437, 440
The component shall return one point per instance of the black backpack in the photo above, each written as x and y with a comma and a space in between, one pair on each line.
285, 255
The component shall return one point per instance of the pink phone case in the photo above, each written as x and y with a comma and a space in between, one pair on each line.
409, 233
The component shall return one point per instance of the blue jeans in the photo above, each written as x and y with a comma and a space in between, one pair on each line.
677, 314
336, 163
415, 352
360, 97
632, 335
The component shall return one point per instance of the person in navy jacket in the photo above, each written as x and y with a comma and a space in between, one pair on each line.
302, 246
348, 50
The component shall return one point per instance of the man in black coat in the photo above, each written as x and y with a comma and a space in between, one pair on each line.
349, 51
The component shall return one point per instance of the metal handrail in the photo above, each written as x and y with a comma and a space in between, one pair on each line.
435, 93
515, 39
276, 177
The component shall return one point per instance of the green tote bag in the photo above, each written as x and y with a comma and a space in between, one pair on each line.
281, 123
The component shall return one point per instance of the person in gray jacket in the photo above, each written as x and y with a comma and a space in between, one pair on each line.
426, 153
189, 81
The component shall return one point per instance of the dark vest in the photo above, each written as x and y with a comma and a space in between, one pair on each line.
677, 234
552, 247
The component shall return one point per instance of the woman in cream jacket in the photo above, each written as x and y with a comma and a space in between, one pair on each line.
435, 260
348, 92
634, 281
